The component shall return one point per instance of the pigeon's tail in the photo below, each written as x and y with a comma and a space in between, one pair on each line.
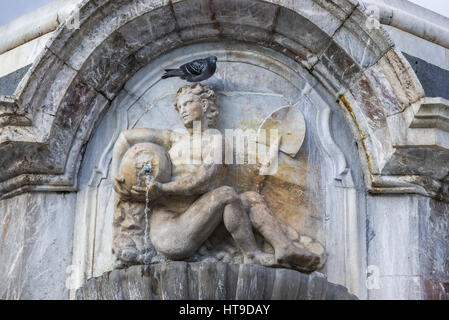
172, 73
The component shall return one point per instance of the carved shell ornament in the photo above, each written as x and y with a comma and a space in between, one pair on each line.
291, 126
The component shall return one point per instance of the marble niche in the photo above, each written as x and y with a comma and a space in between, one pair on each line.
316, 195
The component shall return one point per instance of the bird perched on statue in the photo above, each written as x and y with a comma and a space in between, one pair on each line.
194, 71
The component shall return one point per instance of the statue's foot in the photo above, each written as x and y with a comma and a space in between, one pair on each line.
297, 258
262, 258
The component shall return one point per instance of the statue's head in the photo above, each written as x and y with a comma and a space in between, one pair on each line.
197, 103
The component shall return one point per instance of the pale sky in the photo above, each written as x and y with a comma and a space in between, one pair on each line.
439, 6
12, 9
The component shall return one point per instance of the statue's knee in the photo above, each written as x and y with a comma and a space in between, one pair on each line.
226, 194
252, 198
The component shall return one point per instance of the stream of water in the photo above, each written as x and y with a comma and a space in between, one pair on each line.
147, 170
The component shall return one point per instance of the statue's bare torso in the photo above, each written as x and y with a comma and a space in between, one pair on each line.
190, 218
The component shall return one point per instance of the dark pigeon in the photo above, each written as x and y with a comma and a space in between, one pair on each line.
194, 71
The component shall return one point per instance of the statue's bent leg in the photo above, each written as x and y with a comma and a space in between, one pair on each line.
239, 226
179, 236
270, 228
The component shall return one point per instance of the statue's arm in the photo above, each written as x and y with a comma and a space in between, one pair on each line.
128, 138
208, 174
197, 183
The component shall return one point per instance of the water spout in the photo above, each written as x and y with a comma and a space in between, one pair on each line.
147, 169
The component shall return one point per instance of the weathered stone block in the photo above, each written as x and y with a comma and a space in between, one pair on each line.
174, 281
157, 47
198, 33
148, 28
337, 66
213, 281
244, 33
136, 284
251, 13
35, 235
255, 282
365, 45
302, 31
327, 15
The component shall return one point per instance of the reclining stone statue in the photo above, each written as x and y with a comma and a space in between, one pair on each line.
189, 200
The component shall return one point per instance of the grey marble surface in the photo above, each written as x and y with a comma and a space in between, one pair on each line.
36, 246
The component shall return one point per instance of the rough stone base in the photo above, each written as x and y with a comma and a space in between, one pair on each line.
209, 281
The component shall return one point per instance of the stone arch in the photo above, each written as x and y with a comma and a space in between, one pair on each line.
325, 191
62, 97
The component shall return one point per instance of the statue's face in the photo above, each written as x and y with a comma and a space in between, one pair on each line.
190, 109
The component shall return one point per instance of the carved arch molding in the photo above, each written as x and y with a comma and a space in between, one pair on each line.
46, 125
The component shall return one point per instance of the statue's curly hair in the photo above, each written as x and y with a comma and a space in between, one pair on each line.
208, 101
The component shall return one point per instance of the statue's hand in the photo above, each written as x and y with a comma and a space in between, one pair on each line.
153, 190
118, 186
